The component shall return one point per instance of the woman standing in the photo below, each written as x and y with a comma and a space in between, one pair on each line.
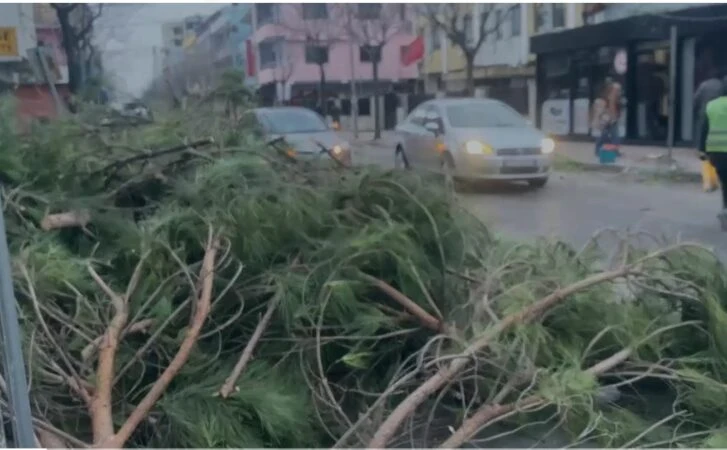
606, 115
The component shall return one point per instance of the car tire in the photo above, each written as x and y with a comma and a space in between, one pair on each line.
400, 161
538, 183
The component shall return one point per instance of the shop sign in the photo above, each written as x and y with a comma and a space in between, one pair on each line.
8, 42
620, 62
555, 114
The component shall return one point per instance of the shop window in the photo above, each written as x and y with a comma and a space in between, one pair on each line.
515, 14
345, 107
364, 107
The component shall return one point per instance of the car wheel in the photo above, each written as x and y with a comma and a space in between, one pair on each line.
537, 184
400, 161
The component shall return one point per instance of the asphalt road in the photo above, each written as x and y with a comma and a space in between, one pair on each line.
573, 206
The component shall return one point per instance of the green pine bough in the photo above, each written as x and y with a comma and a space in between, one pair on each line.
182, 284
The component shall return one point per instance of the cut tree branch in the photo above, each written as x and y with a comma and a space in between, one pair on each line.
201, 311
535, 311
229, 386
101, 402
489, 412
426, 319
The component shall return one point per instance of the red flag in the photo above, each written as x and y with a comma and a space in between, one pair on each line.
250, 56
413, 52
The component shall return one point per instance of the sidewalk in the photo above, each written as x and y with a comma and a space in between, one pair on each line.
634, 157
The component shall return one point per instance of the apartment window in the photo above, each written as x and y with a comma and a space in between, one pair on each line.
469, 31
316, 54
269, 54
498, 24
313, 11
558, 15
267, 13
369, 11
177, 31
436, 41
402, 11
178, 42
369, 53
515, 14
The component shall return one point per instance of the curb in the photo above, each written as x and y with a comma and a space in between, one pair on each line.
675, 174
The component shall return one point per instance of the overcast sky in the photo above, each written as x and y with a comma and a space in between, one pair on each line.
127, 34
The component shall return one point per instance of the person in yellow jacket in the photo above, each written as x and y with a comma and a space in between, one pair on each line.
713, 144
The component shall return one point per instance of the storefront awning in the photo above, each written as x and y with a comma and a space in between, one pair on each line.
636, 28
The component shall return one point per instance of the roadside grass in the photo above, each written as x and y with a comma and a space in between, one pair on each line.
563, 163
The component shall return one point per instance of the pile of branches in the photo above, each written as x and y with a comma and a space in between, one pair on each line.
182, 284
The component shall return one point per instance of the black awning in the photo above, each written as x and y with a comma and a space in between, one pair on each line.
656, 26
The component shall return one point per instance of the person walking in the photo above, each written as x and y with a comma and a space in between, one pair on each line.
713, 144
707, 91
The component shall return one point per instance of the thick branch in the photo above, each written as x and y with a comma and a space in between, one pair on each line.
426, 319
101, 402
229, 386
202, 310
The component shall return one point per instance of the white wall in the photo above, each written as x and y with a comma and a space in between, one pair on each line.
19, 17
509, 50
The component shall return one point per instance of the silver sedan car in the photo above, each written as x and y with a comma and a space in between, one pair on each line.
474, 139
305, 131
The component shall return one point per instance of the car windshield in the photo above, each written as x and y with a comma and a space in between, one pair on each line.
483, 115
290, 121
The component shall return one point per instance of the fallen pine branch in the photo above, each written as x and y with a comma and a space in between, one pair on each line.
490, 412
426, 319
229, 386
65, 220
407, 407
202, 310
139, 327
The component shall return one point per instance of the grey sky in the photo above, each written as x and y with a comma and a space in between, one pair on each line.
127, 35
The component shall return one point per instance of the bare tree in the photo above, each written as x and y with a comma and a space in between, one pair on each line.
311, 25
372, 26
283, 70
456, 21
76, 21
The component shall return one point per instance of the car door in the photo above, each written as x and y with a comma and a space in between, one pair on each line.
412, 132
431, 141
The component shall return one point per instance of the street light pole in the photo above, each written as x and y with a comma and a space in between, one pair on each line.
13, 361
672, 91
354, 99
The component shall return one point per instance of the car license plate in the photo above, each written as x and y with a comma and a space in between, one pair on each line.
520, 162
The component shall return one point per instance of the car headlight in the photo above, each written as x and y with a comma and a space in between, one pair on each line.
477, 148
547, 145
339, 148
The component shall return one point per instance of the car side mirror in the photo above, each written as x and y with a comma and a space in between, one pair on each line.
432, 126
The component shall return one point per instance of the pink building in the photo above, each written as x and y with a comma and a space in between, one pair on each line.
292, 42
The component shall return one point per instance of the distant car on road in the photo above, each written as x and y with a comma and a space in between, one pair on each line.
304, 130
473, 139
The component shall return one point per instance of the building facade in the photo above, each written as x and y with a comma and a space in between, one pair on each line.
631, 45
504, 66
293, 44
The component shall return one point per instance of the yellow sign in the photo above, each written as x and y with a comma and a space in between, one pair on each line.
8, 42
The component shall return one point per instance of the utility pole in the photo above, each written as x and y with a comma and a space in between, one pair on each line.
354, 99
12, 350
673, 42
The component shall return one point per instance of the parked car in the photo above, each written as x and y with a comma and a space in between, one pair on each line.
305, 131
473, 139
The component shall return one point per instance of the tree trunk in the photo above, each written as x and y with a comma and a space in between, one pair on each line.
321, 91
69, 48
469, 68
377, 125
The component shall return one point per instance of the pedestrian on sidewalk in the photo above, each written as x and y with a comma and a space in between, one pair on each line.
606, 115
708, 90
713, 144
